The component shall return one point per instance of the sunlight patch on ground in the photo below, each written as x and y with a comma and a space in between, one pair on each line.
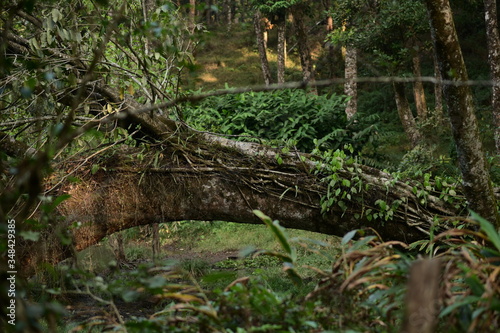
208, 77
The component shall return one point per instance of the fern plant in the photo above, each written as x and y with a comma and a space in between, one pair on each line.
283, 116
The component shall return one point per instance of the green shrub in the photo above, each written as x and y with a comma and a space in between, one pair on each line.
292, 116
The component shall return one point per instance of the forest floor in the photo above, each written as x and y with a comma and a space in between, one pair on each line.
231, 59
199, 249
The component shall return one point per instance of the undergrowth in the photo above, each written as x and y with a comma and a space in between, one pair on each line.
363, 288
285, 116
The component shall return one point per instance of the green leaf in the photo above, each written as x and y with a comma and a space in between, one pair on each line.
130, 296
456, 305
49, 207
489, 229
157, 281
30, 235
360, 243
94, 168
279, 160
382, 204
347, 237
56, 15
475, 285
292, 273
60, 199
277, 230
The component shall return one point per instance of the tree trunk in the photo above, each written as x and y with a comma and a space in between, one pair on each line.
405, 115
330, 55
350, 86
438, 91
418, 89
192, 14
281, 27
228, 11
156, 240
303, 44
213, 178
493, 37
477, 183
116, 242
331, 48
266, 71
208, 12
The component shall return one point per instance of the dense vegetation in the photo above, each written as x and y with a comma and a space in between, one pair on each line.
84, 83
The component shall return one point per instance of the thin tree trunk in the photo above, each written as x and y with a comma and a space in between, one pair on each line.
331, 48
303, 44
405, 115
438, 91
266, 71
192, 14
147, 8
329, 28
493, 37
476, 179
418, 89
281, 27
156, 240
208, 12
350, 86
228, 14
116, 242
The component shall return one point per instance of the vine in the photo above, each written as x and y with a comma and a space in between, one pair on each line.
345, 182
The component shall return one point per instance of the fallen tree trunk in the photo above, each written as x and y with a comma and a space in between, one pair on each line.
207, 181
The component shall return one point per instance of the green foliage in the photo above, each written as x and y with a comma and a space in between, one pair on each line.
383, 28
472, 268
341, 171
422, 159
271, 7
339, 188
289, 257
292, 116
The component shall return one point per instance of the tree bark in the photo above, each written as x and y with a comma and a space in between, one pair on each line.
405, 115
116, 242
228, 11
350, 86
281, 52
493, 38
438, 91
192, 14
477, 183
331, 48
156, 240
418, 89
303, 43
266, 71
